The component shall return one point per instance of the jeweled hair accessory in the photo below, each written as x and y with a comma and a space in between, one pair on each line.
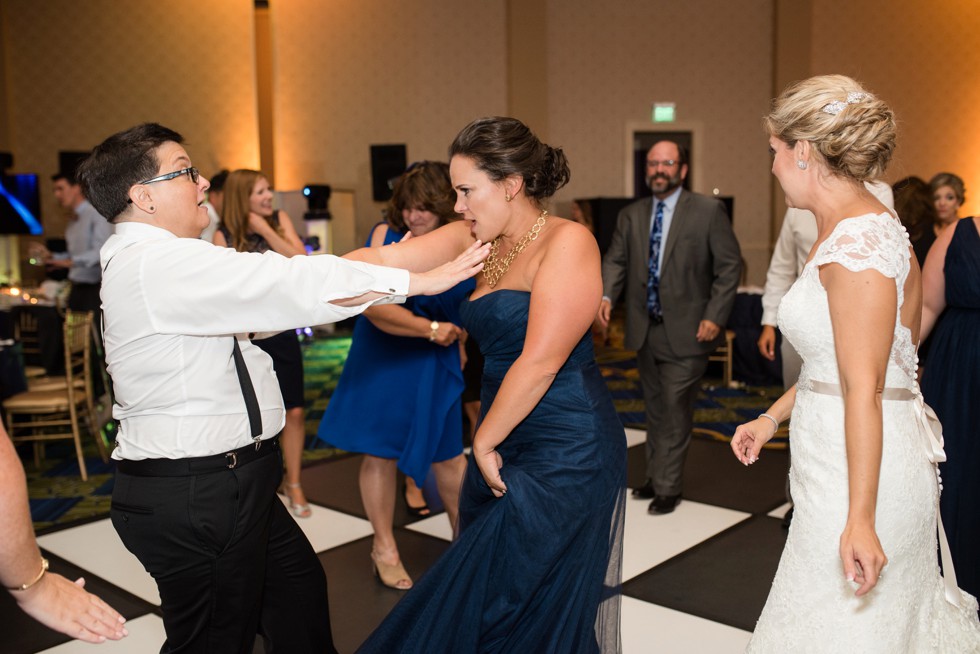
837, 106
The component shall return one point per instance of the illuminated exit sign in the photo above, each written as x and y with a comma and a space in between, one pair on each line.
663, 112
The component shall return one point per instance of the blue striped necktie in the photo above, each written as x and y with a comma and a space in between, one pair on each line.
653, 281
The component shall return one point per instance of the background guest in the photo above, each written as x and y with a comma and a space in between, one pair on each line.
915, 208
948, 194
677, 303
215, 203
951, 385
86, 232
398, 398
250, 224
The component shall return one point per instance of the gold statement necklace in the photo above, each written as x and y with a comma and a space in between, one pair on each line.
494, 268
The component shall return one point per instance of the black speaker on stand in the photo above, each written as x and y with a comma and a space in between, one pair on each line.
387, 163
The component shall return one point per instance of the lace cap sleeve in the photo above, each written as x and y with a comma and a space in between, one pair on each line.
877, 242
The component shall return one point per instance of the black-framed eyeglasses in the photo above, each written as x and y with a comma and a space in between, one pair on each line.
193, 173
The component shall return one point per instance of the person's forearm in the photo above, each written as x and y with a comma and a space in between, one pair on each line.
399, 321
20, 558
522, 388
863, 435
782, 408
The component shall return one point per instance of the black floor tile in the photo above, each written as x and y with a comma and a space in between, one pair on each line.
725, 579
359, 601
712, 475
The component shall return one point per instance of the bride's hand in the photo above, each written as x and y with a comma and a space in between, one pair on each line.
862, 555
750, 437
489, 462
449, 274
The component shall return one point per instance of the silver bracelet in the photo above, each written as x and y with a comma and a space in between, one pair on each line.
775, 423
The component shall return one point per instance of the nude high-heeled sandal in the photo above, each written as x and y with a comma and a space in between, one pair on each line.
392, 576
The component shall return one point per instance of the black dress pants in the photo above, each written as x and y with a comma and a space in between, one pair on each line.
228, 559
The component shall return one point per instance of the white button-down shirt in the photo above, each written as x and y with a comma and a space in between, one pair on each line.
172, 306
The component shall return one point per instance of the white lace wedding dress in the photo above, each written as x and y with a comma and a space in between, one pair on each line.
811, 607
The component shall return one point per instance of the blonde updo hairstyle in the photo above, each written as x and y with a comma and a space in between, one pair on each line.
856, 142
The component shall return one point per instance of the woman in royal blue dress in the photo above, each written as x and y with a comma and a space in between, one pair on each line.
410, 356
536, 563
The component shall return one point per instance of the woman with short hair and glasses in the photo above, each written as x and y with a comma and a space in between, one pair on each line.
199, 408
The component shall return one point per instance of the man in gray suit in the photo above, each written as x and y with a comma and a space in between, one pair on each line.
677, 257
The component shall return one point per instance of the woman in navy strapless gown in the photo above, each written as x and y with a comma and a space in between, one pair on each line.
951, 385
536, 563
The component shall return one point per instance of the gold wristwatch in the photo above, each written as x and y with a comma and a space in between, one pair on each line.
434, 330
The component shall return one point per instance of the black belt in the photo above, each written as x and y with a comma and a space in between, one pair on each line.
199, 464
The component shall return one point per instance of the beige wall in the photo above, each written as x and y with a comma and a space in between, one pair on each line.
607, 64
79, 71
921, 58
346, 74
349, 74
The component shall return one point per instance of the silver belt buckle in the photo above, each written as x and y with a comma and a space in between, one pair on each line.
233, 460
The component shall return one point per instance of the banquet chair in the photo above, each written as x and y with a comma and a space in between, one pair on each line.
58, 413
25, 333
723, 354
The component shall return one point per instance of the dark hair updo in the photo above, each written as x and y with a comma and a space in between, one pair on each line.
502, 147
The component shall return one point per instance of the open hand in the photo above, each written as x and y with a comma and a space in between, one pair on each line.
449, 274
68, 608
750, 437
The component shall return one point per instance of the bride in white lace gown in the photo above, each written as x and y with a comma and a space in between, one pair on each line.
859, 572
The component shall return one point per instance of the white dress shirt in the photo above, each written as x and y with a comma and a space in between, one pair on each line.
171, 307
796, 239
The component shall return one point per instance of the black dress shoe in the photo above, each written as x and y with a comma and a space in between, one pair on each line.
644, 492
663, 504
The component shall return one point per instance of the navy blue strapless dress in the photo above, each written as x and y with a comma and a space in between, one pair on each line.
539, 569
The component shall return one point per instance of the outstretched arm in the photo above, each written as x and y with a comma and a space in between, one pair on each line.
52, 600
863, 306
565, 296
420, 252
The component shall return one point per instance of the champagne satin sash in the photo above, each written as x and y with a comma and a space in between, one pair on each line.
932, 436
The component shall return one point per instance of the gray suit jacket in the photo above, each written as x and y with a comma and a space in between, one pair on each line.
701, 269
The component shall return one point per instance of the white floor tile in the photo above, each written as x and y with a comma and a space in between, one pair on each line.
437, 525
96, 547
635, 437
327, 528
145, 635
652, 539
780, 511
650, 628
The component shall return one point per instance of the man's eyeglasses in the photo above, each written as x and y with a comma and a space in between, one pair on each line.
670, 163
193, 173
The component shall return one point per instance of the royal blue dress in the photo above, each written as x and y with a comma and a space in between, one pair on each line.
951, 386
399, 397
537, 570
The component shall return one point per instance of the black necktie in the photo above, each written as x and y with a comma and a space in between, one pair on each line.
248, 392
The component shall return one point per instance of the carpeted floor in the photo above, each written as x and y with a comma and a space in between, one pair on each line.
59, 497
